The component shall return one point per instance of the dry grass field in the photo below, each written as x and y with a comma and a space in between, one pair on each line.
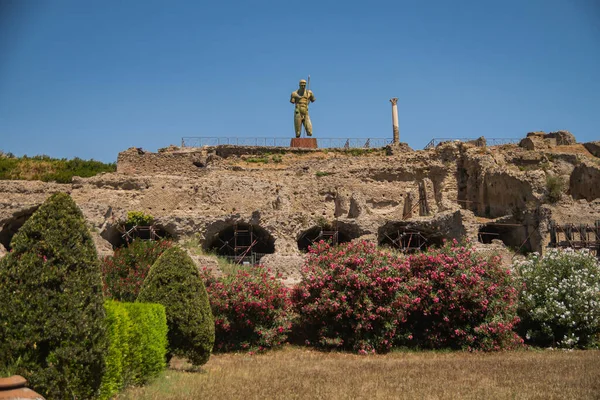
298, 373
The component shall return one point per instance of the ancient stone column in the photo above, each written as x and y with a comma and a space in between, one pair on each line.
394, 102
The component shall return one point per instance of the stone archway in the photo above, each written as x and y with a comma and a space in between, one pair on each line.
408, 237
240, 242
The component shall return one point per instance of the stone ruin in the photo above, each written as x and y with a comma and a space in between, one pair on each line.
273, 202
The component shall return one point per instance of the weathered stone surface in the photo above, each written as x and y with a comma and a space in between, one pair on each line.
593, 147
304, 188
541, 140
585, 182
288, 266
397, 148
562, 137
208, 262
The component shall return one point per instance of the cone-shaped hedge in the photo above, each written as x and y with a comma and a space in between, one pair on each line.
174, 281
52, 319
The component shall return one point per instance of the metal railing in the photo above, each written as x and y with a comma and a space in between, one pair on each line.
341, 143
487, 142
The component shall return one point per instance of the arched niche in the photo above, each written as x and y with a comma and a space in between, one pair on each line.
409, 237
240, 242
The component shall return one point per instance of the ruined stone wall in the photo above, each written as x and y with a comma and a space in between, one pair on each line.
585, 182
448, 192
139, 162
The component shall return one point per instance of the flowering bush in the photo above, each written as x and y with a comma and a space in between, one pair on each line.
357, 298
459, 299
560, 298
125, 271
251, 309
351, 297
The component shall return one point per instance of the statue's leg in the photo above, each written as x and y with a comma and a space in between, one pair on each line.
307, 125
297, 122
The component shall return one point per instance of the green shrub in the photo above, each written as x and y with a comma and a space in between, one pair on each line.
559, 302
124, 272
174, 281
139, 218
49, 169
137, 345
555, 186
51, 313
118, 328
148, 346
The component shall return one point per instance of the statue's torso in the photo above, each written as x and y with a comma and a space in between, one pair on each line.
304, 99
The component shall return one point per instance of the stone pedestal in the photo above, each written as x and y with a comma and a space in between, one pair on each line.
304, 143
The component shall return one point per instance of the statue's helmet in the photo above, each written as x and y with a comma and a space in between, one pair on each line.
302, 82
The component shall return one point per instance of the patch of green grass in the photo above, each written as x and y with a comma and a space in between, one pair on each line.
225, 265
264, 159
322, 173
49, 169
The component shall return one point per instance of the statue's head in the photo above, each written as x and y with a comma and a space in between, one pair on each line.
302, 83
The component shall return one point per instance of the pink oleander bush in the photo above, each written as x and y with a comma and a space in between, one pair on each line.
355, 297
123, 273
351, 297
251, 308
461, 300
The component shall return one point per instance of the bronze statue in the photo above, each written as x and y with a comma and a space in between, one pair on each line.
301, 98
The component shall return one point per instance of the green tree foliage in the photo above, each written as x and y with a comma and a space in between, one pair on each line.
174, 281
52, 317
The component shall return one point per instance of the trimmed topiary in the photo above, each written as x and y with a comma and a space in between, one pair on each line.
137, 345
148, 342
52, 318
174, 281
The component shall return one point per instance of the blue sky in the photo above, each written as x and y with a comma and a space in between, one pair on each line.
92, 78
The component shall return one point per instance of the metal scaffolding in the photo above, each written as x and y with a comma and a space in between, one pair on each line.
580, 236
407, 241
240, 248
144, 232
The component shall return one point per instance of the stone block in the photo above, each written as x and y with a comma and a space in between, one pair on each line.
304, 143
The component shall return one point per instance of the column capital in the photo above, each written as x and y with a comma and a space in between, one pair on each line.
394, 101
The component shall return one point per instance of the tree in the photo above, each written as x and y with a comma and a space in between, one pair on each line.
52, 318
174, 281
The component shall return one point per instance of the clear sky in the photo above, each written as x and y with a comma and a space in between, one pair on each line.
92, 78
